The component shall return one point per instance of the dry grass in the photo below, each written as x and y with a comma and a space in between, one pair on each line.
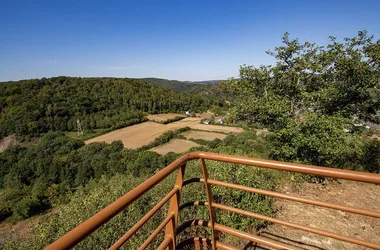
349, 193
175, 145
217, 128
204, 135
164, 117
142, 134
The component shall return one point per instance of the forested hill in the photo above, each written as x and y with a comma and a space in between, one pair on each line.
182, 86
32, 107
172, 84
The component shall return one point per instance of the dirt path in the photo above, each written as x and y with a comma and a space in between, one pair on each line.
349, 193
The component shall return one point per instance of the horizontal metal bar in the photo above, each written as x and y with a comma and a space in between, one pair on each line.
297, 226
157, 231
79, 233
186, 224
254, 238
143, 220
297, 199
164, 244
293, 167
223, 246
194, 241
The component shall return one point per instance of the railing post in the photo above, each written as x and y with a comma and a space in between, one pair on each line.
214, 235
174, 208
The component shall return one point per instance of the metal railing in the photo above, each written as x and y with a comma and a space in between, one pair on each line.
170, 223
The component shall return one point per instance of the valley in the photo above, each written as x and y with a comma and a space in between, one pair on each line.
138, 135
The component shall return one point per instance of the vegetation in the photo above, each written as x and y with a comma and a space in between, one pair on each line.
172, 84
184, 86
338, 79
175, 119
36, 177
165, 137
311, 100
129, 172
34, 107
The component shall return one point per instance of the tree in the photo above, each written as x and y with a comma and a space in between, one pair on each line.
338, 79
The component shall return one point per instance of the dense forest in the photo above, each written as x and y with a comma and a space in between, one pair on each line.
33, 107
182, 86
314, 103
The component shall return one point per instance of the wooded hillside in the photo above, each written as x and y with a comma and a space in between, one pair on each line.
32, 107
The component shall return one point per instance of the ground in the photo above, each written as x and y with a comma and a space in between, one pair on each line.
175, 145
204, 135
142, 134
164, 117
348, 193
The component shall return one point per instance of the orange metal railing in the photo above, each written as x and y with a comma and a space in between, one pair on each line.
172, 227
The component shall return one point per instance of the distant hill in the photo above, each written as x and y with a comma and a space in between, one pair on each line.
172, 84
206, 82
181, 86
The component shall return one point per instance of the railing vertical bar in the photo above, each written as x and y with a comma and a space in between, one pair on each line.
174, 208
164, 244
142, 221
156, 232
214, 236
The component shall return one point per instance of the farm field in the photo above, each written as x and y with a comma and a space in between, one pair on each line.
205, 135
175, 145
163, 117
138, 135
217, 128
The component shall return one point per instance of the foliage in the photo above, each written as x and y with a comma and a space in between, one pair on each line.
371, 156
179, 86
338, 79
33, 107
318, 140
33, 178
98, 193
164, 138
177, 118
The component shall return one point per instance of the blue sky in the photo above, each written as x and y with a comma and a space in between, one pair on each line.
184, 40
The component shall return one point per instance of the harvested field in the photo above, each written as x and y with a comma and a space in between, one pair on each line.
138, 135
175, 145
217, 128
163, 117
204, 135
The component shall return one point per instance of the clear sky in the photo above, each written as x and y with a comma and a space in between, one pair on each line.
184, 40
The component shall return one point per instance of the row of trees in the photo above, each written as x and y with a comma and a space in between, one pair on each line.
33, 107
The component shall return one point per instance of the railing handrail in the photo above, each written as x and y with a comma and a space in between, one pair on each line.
80, 232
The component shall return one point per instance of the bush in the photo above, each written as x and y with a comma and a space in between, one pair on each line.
371, 156
318, 140
27, 207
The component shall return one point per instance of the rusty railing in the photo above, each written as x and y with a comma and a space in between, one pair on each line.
172, 227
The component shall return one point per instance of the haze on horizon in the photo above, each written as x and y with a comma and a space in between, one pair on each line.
189, 41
